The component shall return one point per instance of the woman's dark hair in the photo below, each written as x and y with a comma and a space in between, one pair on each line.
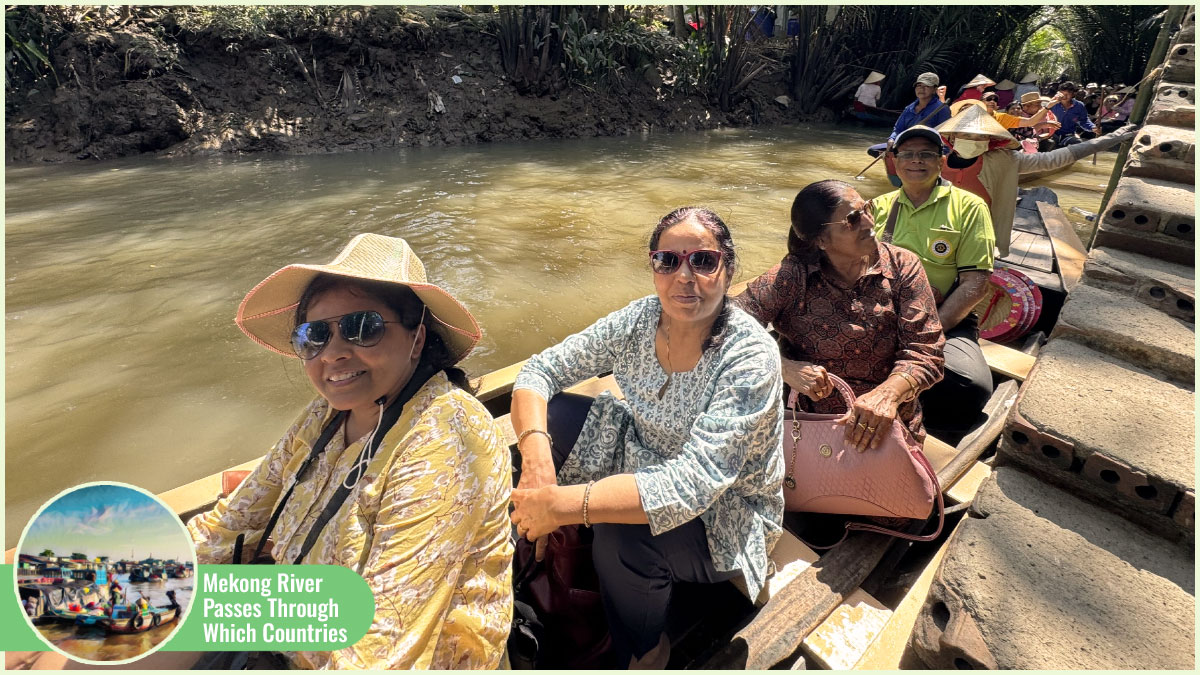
720, 231
811, 211
435, 355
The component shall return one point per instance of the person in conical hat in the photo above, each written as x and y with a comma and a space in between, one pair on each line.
984, 160
1004, 90
394, 435
869, 91
974, 89
1026, 85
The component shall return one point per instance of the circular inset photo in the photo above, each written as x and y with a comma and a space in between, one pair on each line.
105, 573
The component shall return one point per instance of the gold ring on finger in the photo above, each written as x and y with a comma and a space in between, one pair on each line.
860, 425
871, 429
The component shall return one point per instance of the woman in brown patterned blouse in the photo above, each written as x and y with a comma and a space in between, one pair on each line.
845, 303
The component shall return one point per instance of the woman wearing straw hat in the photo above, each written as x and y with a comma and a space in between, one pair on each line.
973, 90
984, 160
682, 479
1004, 92
869, 91
408, 466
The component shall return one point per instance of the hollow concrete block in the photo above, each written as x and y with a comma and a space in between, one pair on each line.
1165, 286
1079, 402
1130, 330
1038, 579
1174, 105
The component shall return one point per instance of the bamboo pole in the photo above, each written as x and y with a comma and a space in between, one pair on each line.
1174, 17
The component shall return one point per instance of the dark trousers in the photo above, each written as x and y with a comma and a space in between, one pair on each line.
636, 569
953, 405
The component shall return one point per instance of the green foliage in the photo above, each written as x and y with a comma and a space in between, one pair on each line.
47, 553
1112, 42
30, 35
605, 57
1047, 53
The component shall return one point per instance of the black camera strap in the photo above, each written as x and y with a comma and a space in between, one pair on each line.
389, 418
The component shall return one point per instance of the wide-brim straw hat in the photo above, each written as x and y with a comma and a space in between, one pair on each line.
1029, 78
980, 79
958, 106
975, 120
1005, 85
1030, 97
874, 77
268, 312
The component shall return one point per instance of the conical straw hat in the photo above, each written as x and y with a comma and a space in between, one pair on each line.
1029, 78
975, 120
1005, 85
874, 77
958, 106
267, 313
980, 79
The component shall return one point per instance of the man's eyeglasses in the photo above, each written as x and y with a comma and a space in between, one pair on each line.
922, 155
701, 261
855, 217
993, 99
362, 329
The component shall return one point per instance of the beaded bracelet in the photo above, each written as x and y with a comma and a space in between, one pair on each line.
587, 494
535, 431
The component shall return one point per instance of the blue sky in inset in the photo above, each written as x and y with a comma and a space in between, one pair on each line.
108, 520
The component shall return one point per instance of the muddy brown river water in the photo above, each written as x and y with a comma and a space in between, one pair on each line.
122, 361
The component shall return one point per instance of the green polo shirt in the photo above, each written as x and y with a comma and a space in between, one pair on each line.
951, 232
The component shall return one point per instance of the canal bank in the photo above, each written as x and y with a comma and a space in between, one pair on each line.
402, 78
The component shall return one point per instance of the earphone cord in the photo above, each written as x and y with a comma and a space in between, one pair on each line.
368, 453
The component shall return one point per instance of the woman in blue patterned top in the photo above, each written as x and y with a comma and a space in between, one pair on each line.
681, 478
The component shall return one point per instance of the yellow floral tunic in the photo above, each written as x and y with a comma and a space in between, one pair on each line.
426, 526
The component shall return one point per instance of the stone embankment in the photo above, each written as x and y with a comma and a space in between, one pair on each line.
1078, 552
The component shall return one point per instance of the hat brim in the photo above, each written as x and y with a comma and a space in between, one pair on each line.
267, 314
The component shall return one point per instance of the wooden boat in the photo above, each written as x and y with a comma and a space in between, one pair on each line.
872, 116
123, 622
854, 606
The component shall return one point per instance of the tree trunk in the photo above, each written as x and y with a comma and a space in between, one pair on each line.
681, 27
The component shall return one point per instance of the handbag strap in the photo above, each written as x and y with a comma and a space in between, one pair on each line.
890, 227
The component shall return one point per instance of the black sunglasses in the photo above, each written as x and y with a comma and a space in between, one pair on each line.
702, 261
362, 329
855, 217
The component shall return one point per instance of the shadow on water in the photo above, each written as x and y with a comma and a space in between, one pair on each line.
122, 278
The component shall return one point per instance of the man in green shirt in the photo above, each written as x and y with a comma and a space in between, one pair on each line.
950, 229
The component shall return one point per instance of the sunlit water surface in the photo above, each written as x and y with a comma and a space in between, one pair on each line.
122, 278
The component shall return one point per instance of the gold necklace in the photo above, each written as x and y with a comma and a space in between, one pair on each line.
670, 371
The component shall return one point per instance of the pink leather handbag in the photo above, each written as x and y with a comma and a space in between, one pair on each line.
825, 474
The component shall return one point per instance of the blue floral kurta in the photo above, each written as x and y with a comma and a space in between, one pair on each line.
712, 447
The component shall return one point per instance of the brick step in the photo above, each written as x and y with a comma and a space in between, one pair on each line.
1165, 153
1180, 65
1165, 286
1038, 579
1161, 246
1129, 330
1109, 431
1174, 105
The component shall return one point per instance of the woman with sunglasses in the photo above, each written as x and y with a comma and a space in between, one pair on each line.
423, 513
845, 303
681, 479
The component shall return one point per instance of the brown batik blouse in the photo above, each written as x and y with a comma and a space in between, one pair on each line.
887, 322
